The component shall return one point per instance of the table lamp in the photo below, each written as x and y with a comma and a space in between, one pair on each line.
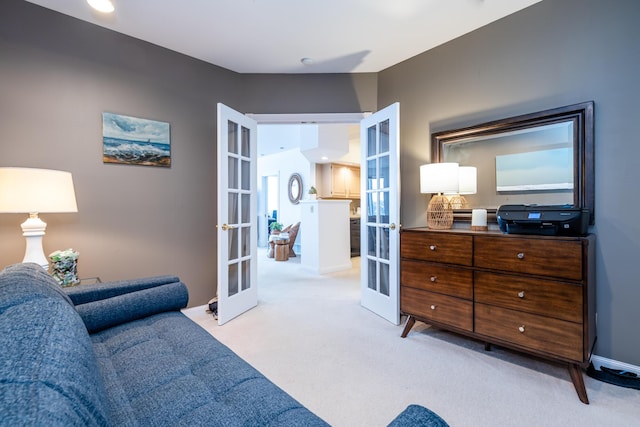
437, 179
33, 191
467, 184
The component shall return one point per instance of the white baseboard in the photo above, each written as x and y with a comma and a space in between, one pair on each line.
614, 364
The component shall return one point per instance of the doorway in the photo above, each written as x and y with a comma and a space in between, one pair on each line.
285, 149
304, 145
268, 206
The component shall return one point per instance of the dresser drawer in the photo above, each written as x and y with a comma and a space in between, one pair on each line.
454, 281
437, 247
437, 307
543, 257
537, 296
539, 333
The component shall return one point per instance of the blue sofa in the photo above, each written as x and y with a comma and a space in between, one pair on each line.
122, 354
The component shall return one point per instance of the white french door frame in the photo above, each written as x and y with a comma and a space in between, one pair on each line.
237, 214
380, 206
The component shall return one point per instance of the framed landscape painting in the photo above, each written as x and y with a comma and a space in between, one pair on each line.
134, 141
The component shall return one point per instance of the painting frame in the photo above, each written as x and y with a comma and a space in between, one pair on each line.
135, 141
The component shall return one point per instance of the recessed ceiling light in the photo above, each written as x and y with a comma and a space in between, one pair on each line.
307, 61
104, 6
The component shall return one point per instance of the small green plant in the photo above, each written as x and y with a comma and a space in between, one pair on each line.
276, 226
313, 190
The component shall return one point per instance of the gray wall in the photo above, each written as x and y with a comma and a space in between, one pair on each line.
310, 93
555, 53
57, 76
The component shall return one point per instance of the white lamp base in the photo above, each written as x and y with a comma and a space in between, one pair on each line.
33, 230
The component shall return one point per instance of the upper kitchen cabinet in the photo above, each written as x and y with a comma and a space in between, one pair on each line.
340, 181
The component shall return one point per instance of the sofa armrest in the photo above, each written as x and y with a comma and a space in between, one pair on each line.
129, 302
418, 416
87, 293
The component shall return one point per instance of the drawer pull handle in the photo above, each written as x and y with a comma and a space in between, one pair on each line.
521, 329
433, 306
521, 255
433, 278
432, 247
521, 294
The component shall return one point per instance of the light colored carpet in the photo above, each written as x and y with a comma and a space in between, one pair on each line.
311, 337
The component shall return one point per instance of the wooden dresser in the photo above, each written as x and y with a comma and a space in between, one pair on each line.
535, 294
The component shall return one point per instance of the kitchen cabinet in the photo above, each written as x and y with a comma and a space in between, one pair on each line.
354, 224
340, 181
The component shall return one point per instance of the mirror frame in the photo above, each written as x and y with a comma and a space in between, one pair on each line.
295, 178
583, 147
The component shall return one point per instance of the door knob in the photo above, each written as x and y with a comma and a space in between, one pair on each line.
226, 227
392, 226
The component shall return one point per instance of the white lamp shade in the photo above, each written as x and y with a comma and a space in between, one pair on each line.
27, 190
439, 178
468, 180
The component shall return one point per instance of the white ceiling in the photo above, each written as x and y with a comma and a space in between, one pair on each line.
336, 142
271, 36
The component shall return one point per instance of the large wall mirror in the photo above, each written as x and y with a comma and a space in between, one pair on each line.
544, 158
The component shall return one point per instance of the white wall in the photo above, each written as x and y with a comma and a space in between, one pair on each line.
283, 165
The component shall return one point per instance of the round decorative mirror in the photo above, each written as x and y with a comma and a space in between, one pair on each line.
295, 188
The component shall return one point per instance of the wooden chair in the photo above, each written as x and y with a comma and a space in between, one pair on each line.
293, 233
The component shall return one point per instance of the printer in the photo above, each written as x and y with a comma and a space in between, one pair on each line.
550, 220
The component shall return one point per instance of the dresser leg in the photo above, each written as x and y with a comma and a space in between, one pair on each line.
575, 372
487, 346
407, 326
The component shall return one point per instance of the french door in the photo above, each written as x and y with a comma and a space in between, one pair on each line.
237, 214
379, 225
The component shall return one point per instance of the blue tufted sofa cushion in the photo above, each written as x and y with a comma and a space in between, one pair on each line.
48, 371
166, 370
